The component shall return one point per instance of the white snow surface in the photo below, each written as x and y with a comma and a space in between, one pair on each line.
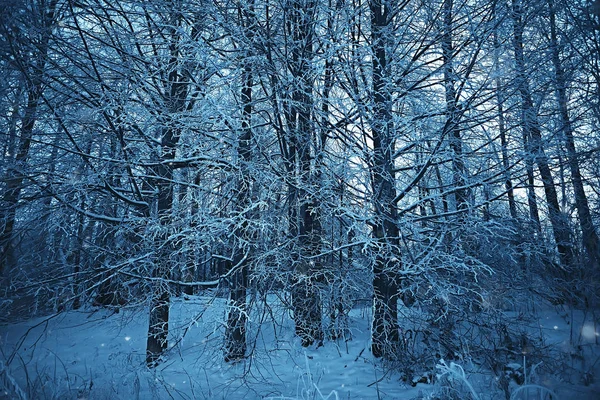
99, 354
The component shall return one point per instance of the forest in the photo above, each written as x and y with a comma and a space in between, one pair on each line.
407, 186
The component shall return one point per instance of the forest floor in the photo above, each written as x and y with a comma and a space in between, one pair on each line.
99, 354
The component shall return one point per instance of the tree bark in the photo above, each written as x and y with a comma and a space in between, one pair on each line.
531, 130
453, 113
508, 185
591, 243
385, 330
176, 91
235, 346
16, 173
305, 294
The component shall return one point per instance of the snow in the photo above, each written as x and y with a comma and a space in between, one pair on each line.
100, 354
65, 355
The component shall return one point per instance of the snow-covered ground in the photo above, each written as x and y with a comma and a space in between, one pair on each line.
99, 354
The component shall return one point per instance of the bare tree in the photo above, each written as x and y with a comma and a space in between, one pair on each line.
33, 68
235, 346
535, 146
591, 243
385, 231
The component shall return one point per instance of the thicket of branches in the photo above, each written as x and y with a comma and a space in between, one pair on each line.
433, 155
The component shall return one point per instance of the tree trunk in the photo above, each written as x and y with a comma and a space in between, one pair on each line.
158, 327
305, 294
531, 129
193, 255
235, 346
176, 91
590, 237
9, 147
385, 330
453, 114
508, 185
16, 173
534, 214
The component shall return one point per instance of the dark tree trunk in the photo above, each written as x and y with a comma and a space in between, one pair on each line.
16, 177
385, 330
10, 144
443, 195
534, 214
591, 242
193, 255
531, 129
305, 294
79, 257
453, 114
158, 327
235, 346
175, 95
158, 324
16, 173
508, 185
